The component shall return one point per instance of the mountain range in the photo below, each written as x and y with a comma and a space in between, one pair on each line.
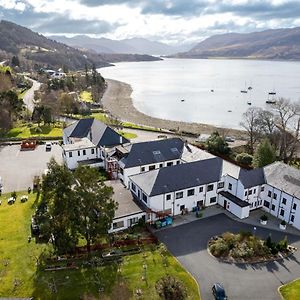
125, 46
36, 50
269, 44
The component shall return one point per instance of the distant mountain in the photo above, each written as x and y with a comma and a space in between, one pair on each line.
35, 50
268, 44
126, 46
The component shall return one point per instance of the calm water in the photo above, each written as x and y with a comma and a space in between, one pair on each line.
158, 87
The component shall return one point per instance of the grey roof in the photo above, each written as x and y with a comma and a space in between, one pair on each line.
283, 177
179, 177
99, 133
234, 199
153, 152
251, 178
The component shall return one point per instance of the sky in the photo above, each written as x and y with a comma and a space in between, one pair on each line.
170, 21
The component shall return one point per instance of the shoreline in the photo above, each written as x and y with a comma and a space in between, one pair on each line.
117, 100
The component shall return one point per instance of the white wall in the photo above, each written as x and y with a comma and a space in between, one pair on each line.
72, 162
240, 212
126, 221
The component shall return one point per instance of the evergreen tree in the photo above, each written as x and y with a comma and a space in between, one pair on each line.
217, 144
265, 154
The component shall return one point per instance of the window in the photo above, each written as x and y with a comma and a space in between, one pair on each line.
262, 188
143, 169
144, 197
282, 212
251, 205
210, 187
273, 206
92, 151
178, 162
78, 152
191, 192
269, 194
117, 225
294, 206
275, 196
250, 192
267, 204
284, 201
220, 185
133, 187
213, 200
161, 165
230, 186
254, 191
84, 152
179, 195
246, 193
152, 167
121, 171
133, 221
168, 197
201, 189
292, 218
169, 164
70, 154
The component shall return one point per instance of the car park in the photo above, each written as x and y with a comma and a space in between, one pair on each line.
219, 292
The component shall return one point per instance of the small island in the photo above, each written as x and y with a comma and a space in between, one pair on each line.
245, 247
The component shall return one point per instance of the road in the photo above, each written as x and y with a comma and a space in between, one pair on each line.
29, 95
188, 243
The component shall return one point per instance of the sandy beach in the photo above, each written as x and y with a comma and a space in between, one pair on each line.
117, 100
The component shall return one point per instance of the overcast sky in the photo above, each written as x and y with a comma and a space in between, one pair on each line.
168, 21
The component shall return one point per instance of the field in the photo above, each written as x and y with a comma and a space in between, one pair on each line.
22, 276
291, 290
27, 131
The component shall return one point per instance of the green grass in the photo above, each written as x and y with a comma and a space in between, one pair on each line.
21, 277
128, 135
27, 131
86, 96
99, 116
291, 291
21, 94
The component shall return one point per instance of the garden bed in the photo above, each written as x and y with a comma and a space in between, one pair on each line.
247, 248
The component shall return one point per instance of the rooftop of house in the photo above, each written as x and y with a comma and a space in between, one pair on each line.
283, 177
179, 177
191, 153
146, 153
82, 144
97, 132
126, 205
251, 178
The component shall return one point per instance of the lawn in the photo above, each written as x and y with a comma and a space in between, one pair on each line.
21, 276
27, 131
291, 290
86, 96
128, 135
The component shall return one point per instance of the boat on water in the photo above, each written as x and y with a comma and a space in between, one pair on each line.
182, 100
244, 91
272, 93
249, 102
250, 88
212, 90
271, 101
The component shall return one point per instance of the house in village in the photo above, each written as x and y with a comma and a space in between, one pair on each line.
91, 142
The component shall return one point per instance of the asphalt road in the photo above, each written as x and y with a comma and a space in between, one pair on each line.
188, 243
29, 95
17, 168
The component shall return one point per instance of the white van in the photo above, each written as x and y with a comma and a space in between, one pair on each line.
1, 185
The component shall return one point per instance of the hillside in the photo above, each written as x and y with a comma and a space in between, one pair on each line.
126, 46
269, 44
35, 50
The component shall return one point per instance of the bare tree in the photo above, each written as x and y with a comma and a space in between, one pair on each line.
288, 122
252, 125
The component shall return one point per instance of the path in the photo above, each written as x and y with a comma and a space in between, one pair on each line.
29, 95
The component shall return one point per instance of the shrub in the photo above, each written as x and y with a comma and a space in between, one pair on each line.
219, 248
283, 223
244, 158
264, 217
170, 288
14, 195
38, 130
282, 245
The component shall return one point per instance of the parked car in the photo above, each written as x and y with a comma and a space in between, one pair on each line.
11, 200
229, 139
219, 292
48, 146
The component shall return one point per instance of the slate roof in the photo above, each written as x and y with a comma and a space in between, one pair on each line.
251, 178
234, 199
179, 177
99, 133
283, 177
153, 152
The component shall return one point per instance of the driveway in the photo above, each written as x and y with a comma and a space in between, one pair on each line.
29, 95
188, 243
17, 168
